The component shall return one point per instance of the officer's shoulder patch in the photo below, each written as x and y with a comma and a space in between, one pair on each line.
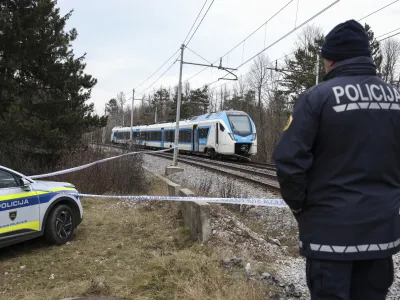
288, 123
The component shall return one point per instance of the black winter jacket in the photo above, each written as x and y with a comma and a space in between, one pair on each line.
338, 160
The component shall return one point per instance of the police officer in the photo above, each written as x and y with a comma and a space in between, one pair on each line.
338, 166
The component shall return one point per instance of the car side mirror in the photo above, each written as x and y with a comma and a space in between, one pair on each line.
25, 184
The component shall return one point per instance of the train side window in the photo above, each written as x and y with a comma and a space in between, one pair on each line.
203, 132
221, 127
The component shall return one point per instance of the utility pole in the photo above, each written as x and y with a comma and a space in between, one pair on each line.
178, 110
155, 116
317, 69
133, 99
104, 129
174, 168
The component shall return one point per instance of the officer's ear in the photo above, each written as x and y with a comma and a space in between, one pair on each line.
329, 64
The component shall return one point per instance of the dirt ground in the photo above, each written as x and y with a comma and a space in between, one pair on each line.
140, 251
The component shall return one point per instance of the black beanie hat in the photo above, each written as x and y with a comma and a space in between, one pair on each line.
346, 40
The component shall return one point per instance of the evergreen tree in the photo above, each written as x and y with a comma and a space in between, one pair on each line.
375, 47
300, 72
43, 87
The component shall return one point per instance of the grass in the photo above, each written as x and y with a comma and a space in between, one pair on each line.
143, 252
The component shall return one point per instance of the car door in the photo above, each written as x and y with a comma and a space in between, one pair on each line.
19, 209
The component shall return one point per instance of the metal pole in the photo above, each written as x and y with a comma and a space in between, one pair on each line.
317, 69
133, 99
178, 110
104, 129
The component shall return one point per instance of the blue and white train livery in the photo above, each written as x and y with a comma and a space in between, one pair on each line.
225, 133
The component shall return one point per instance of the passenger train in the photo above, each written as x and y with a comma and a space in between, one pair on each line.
219, 134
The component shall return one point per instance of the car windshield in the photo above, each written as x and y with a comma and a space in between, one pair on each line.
240, 125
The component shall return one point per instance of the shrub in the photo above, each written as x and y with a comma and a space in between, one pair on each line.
122, 176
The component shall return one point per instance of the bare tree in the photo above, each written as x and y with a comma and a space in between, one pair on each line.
121, 103
391, 60
307, 36
259, 76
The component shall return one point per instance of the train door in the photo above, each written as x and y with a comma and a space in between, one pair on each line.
195, 140
216, 136
162, 138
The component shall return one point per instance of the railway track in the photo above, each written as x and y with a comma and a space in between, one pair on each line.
260, 174
233, 166
257, 165
267, 181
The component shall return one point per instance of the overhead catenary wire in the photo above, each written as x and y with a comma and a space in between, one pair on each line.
273, 61
158, 68
195, 22
297, 13
304, 24
179, 49
195, 53
389, 37
242, 64
200, 23
159, 77
251, 34
172, 54
374, 12
387, 33
246, 74
289, 33
309, 21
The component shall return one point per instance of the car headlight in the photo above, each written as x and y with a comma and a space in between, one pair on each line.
254, 136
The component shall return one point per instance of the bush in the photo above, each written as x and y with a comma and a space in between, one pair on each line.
122, 176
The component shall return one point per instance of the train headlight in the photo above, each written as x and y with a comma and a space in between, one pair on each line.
254, 136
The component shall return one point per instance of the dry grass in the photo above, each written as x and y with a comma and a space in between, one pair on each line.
143, 252
122, 175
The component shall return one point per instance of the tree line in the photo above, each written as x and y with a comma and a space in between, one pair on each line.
44, 89
267, 93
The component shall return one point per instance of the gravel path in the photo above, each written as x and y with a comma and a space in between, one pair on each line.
205, 181
279, 221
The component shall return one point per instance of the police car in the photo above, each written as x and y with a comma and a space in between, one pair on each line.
32, 208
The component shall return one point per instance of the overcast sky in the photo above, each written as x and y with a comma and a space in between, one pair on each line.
128, 40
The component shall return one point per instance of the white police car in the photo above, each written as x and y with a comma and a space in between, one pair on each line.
32, 208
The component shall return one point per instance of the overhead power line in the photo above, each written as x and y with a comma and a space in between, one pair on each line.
178, 49
389, 37
198, 55
159, 77
387, 33
374, 12
304, 24
195, 22
158, 69
200, 23
246, 74
289, 33
251, 34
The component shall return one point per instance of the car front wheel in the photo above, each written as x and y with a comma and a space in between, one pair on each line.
60, 225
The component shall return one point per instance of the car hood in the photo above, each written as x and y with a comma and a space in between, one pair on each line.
53, 185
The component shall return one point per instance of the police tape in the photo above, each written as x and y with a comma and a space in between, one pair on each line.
94, 163
271, 202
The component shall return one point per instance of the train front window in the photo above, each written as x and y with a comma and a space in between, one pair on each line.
240, 125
